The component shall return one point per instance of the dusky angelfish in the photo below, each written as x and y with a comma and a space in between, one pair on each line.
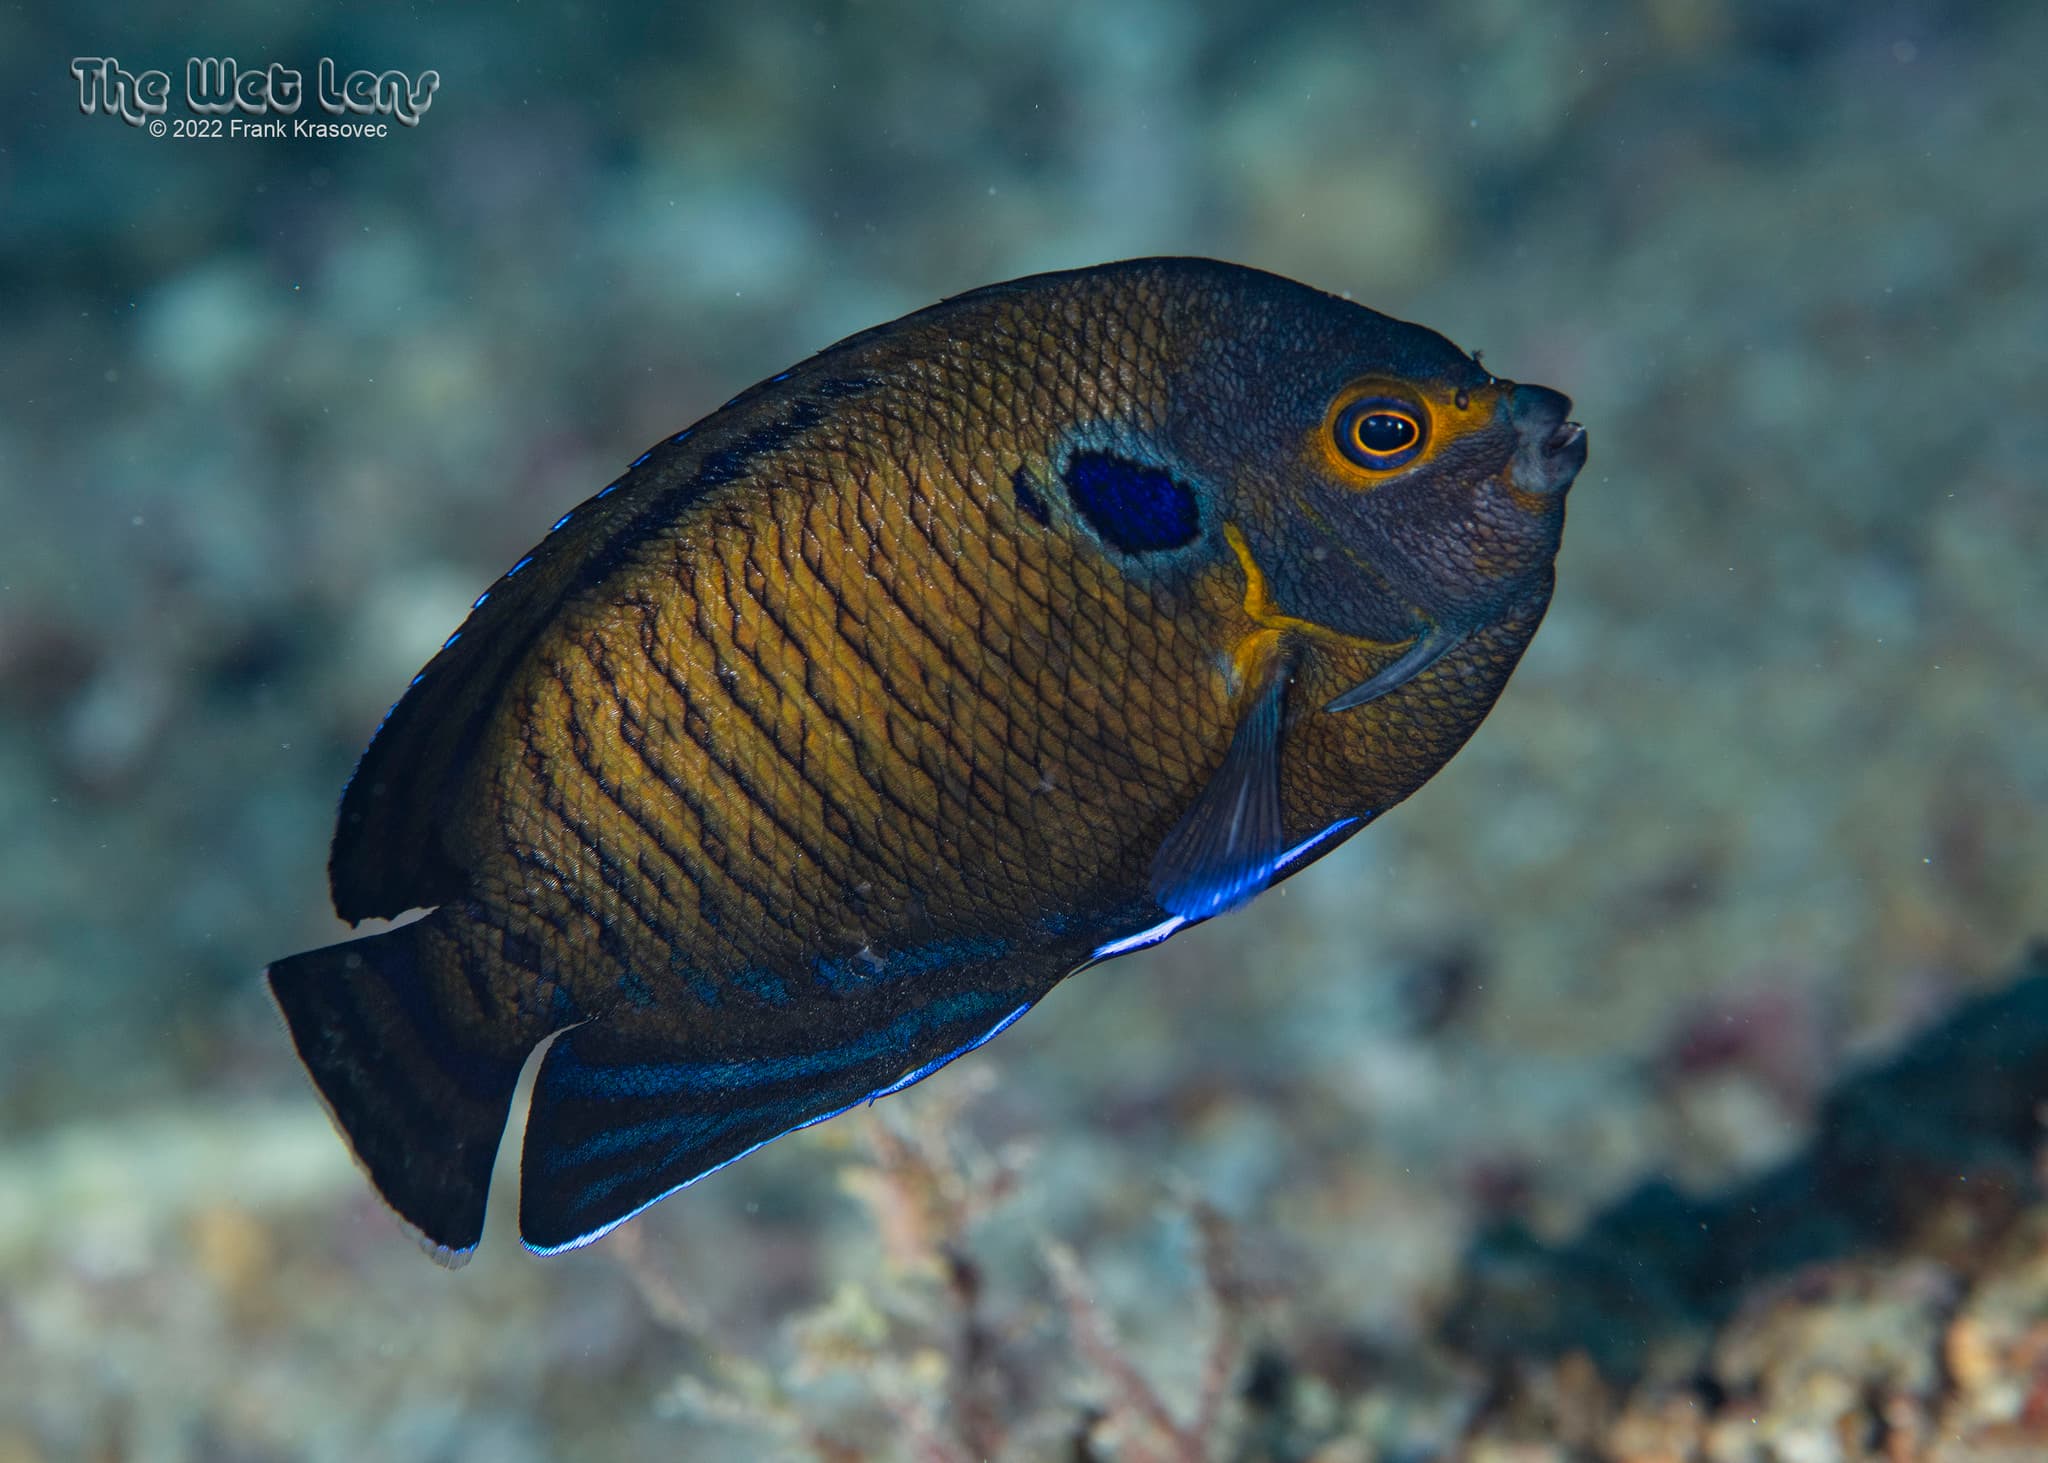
988, 644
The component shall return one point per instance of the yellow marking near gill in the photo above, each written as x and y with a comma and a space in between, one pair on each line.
1275, 622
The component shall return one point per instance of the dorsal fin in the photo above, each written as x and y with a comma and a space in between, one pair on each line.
388, 854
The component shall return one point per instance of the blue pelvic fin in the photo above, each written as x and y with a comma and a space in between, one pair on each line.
1227, 847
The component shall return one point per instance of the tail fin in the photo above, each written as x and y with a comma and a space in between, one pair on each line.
416, 1075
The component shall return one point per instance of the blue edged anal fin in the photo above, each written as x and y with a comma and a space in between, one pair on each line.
1226, 848
621, 1119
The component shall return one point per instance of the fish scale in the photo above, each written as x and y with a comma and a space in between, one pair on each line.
813, 751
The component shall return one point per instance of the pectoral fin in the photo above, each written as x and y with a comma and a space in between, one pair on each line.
1226, 848
1428, 649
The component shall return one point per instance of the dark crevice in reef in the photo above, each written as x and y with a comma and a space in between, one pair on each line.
1950, 1125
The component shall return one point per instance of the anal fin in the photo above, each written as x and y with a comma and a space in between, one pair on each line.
622, 1118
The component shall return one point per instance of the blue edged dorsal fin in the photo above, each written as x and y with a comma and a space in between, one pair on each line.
388, 854
1227, 847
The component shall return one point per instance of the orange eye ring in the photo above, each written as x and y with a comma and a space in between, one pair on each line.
1380, 434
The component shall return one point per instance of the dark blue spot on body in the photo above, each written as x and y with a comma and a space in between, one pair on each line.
1134, 506
642, 458
609, 491
682, 434
1027, 496
762, 985
701, 985
522, 951
635, 989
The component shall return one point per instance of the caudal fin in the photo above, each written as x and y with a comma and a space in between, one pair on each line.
417, 1077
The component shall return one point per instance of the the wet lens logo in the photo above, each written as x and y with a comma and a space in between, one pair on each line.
227, 100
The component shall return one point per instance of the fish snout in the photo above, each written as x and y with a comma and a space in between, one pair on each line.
1553, 447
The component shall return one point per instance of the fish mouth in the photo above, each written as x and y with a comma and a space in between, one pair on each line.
1552, 447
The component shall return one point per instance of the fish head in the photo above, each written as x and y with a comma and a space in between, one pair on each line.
1384, 479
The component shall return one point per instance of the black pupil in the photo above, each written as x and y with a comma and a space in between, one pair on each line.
1383, 432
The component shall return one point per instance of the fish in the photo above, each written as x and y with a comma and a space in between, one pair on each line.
808, 755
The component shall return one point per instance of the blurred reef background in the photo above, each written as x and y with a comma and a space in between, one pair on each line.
1664, 1082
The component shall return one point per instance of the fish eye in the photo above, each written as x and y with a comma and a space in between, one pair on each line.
1379, 433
